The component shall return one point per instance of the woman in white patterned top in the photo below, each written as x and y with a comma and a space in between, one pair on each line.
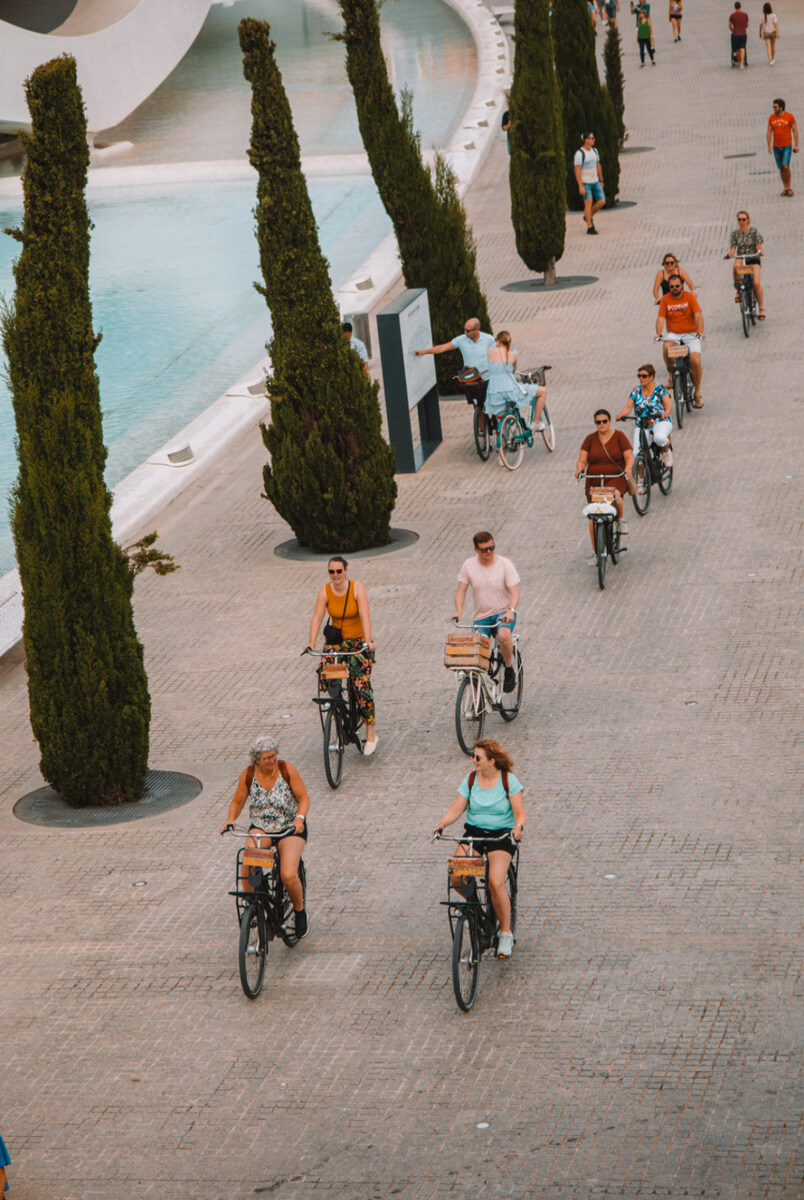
278, 800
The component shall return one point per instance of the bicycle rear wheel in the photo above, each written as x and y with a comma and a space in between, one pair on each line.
745, 312
465, 961
641, 498
511, 889
678, 396
689, 391
252, 950
482, 429
600, 552
288, 928
510, 702
333, 747
665, 476
470, 713
512, 448
549, 431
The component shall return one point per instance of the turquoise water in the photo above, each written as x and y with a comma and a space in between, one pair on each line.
172, 267
171, 274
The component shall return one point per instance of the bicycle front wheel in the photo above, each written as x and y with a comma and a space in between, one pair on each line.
600, 552
470, 713
512, 448
510, 701
549, 431
482, 427
613, 540
745, 312
333, 747
465, 961
641, 497
253, 948
678, 396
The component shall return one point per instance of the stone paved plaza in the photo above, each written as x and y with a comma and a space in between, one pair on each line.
645, 1040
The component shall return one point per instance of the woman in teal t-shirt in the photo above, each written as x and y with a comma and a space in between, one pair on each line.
491, 797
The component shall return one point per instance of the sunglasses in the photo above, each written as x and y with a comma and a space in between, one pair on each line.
742, 218
601, 420
486, 549
476, 758
335, 570
670, 262
643, 375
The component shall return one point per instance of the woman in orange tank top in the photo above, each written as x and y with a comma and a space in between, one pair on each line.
346, 604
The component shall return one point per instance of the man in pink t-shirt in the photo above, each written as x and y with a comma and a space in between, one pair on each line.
495, 587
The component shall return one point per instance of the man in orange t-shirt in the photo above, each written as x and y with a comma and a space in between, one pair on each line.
681, 312
782, 130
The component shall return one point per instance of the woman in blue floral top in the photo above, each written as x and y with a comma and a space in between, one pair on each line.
652, 406
746, 248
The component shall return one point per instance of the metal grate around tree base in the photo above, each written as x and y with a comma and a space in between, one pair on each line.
164, 790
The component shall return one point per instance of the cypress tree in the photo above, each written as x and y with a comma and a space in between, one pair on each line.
538, 195
585, 102
436, 245
90, 708
612, 57
331, 474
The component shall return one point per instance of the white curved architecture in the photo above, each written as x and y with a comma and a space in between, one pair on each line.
123, 50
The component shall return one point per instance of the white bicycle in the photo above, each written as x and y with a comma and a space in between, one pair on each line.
480, 687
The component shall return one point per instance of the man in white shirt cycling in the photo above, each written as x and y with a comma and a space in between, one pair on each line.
589, 175
474, 346
495, 588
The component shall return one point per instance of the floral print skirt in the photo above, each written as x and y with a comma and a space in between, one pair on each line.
359, 663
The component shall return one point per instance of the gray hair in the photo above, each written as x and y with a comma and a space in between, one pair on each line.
262, 745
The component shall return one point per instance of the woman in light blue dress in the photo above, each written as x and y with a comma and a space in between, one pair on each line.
505, 389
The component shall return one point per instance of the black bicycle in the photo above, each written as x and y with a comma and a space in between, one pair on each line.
649, 468
474, 388
472, 920
749, 309
678, 361
337, 708
265, 912
602, 513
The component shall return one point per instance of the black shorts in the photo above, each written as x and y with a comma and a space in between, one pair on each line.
753, 260
257, 832
738, 41
483, 847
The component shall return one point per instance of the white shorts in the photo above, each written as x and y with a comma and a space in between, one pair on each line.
686, 339
659, 432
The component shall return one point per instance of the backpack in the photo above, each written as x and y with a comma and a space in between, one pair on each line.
283, 771
473, 777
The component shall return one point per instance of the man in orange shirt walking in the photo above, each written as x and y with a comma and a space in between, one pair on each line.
681, 312
782, 129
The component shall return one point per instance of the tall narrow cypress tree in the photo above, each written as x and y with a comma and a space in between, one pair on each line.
536, 173
90, 708
435, 243
615, 84
585, 102
331, 474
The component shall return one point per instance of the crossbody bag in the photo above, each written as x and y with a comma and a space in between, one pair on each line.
333, 636
630, 483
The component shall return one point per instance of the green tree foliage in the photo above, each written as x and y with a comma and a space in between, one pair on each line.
585, 102
538, 193
615, 84
90, 708
436, 245
331, 474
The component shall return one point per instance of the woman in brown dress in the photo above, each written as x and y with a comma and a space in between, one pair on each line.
606, 456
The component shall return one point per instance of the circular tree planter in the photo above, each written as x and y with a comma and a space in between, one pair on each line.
164, 790
400, 540
562, 284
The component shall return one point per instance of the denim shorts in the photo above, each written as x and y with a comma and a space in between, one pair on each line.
594, 191
782, 155
495, 621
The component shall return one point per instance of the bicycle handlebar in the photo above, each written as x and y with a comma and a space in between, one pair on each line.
332, 653
438, 835
241, 832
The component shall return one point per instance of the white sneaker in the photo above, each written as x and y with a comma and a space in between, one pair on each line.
539, 427
623, 528
505, 945
370, 747
667, 457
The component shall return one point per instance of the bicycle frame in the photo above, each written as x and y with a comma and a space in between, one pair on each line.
268, 891
487, 686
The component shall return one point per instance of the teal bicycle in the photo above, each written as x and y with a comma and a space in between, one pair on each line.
514, 433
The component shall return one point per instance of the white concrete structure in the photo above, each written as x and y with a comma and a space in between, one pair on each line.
123, 50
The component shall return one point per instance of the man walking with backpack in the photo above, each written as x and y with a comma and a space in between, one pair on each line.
589, 175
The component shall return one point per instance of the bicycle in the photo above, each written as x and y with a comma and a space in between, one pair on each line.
678, 362
337, 710
601, 512
471, 381
264, 913
480, 670
749, 308
513, 433
649, 468
473, 923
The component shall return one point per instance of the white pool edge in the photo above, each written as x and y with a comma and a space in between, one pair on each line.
147, 490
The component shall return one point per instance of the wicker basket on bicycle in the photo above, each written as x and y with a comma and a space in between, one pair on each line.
462, 650
334, 670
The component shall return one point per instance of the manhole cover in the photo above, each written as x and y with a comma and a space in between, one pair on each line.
745, 154
561, 284
637, 150
400, 540
164, 790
